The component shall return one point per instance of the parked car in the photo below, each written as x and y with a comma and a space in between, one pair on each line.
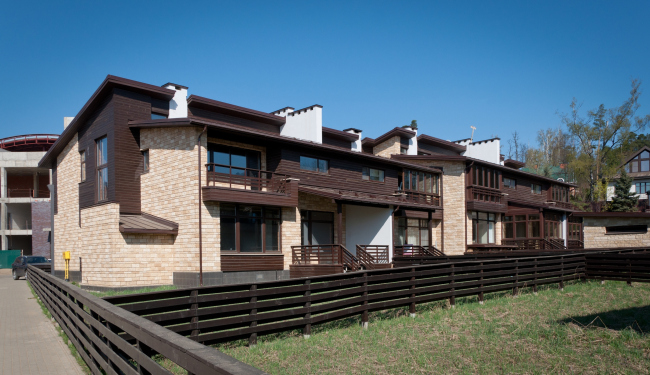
19, 267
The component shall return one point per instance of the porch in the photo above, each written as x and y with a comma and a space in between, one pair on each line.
316, 260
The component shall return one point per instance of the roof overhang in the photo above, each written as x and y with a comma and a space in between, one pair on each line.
234, 110
341, 135
437, 142
364, 201
146, 224
110, 83
395, 132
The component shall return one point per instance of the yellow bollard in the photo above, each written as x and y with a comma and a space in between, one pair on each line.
66, 257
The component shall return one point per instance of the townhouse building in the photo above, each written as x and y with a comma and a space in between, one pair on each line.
154, 187
637, 166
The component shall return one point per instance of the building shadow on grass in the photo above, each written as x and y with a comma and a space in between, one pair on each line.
634, 318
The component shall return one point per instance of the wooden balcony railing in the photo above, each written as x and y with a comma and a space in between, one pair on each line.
575, 244
27, 193
483, 194
324, 254
563, 205
418, 197
246, 178
413, 250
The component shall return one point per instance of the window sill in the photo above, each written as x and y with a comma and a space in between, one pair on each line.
314, 173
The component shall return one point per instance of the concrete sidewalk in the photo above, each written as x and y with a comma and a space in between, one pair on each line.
29, 343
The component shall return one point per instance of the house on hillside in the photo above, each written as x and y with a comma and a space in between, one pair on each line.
637, 165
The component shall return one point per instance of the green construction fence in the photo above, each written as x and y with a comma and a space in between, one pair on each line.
7, 257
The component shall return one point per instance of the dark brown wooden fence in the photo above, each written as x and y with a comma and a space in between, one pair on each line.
225, 313
618, 266
114, 341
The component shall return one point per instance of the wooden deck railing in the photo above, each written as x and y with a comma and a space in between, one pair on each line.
575, 244
413, 250
373, 256
324, 254
245, 178
27, 193
112, 340
560, 204
483, 194
535, 243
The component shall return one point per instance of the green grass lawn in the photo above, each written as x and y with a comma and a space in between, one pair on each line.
587, 328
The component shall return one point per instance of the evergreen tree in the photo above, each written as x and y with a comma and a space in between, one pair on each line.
623, 200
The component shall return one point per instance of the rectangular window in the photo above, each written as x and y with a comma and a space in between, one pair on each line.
486, 177
627, 229
412, 232
249, 229
145, 161
102, 169
157, 116
536, 189
642, 187
82, 156
483, 225
509, 183
403, 150
373, 174
419, 181
314, 164
233, 160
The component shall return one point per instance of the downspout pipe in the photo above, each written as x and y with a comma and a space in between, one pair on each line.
50, 187
198, 146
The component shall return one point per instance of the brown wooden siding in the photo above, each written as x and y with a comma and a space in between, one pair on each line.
343, 173
128, 106
249, 262
203, 114
522, 193
98, 125
436, 150
235, 195
336, 142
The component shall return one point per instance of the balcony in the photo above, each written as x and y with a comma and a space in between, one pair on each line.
480, 198
226, 183
561, 205
27, 193
416, 197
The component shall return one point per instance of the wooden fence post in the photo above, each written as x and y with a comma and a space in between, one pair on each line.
562, 273
412, 307
252, 339
194, 311
306, 332
452, 298
515, 290
535, 277
149, 353
480, 294
364, 315
629, 272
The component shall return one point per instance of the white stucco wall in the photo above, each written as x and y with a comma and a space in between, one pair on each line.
611, 190
305, 124
356, 145
413, 143
368, 226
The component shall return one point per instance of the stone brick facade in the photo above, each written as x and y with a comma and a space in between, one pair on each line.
389, 147
41, 220
595, 234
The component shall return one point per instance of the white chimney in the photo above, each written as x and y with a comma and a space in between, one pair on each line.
283, 112
178, 104
356, 145
67, 121
305, 124
413, 142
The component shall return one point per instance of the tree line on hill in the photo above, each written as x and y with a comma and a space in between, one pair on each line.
589, 149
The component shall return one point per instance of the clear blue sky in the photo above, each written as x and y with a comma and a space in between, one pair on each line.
498, 65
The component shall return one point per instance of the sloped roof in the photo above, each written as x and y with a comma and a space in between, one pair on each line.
145, 223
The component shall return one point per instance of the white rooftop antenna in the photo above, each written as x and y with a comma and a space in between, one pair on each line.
472, 137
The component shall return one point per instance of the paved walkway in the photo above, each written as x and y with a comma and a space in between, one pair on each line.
29, 343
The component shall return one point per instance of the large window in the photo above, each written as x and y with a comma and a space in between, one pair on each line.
102, 169
249, 229
412, 232
145, 161
314, 164
509, 183
233, 160
82, 156
642, 187
373, 174
483, 225
559, 193
419, 181
317, 227
553, 225
536, 189
640, 163
487, 177
521, 226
